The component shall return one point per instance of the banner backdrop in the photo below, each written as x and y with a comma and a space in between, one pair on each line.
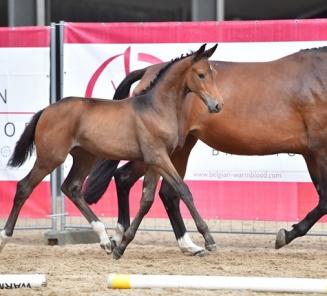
277, 187
24, 89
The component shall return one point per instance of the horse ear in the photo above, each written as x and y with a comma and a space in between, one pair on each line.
199, 53
208, 53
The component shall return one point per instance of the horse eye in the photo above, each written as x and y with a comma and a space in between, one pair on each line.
201, 76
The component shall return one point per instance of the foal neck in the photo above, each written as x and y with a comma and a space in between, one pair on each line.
171, 86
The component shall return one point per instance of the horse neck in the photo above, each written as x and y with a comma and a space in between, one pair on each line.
170, 90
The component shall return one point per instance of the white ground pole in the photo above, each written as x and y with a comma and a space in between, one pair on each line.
301, 285
15, 281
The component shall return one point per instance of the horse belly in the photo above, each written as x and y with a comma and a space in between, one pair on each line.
254, 139
115, 149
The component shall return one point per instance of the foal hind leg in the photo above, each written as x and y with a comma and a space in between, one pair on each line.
318, 171
23, 191
72, 186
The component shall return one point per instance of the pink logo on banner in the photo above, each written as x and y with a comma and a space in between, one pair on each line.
141, 57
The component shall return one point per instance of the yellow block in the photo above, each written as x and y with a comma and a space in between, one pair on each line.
121, 281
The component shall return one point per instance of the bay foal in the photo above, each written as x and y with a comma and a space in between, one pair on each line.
145, 127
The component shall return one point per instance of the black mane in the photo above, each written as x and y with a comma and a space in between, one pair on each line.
322, 48
162, 71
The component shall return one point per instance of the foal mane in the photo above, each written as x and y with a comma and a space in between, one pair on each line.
162, 71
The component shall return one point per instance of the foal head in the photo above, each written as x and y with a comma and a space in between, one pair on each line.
200, 79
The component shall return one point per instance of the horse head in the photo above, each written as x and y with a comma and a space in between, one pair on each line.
200, 79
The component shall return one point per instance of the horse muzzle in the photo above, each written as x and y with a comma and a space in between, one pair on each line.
214, 107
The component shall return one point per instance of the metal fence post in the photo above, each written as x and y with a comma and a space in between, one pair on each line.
61, 89
53, 98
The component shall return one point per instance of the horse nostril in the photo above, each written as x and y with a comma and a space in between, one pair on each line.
214, 107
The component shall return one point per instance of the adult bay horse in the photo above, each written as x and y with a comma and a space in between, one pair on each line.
146, 127
270, 107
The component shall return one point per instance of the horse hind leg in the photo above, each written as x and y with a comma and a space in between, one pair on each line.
23, 191
72, 188
318, 172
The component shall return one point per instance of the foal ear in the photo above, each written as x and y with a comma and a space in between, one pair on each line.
199, 53
208, 53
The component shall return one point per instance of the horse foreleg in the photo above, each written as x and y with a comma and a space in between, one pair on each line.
318, 172
125, 178
149, 187
171, 200
72, 186
23, 191
169, 173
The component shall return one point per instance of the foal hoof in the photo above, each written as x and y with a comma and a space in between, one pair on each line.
116, 254
201, 253
281, 239
211, 247
113, 243
3, 240
107, 247
210, 243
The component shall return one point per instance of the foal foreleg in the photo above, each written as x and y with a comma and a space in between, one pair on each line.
149, 187
171, 200
169, 173
125, 178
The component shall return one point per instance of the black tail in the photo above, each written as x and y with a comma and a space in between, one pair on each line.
101, 175
24, 146
99, 179
124, 87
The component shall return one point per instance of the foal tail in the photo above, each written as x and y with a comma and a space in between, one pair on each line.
101, 175
25, 144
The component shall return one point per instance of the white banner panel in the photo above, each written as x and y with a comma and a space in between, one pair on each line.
24, 90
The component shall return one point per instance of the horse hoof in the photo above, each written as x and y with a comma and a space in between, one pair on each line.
280, 239
107, 248
3, 240
116, 254
113, 243
201, 253
211, 247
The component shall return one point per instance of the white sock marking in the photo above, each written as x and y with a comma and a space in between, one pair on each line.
187, 246
99, 228
118, 236
3, 239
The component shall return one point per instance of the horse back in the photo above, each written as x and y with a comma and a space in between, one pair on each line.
95, 125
